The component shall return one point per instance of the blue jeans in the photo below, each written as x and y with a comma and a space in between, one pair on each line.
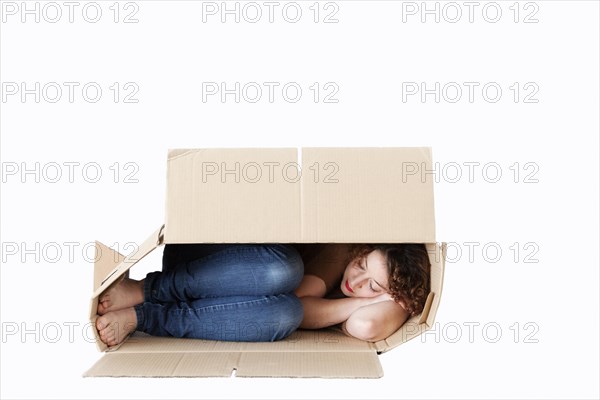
230, 292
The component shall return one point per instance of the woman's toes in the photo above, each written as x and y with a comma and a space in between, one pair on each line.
100, 324
103, 307
103, 304
114, 326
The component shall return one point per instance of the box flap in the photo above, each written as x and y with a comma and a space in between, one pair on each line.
354, 195
344, 195
105, 261
210, 364
201, 364
232, 195
310, 365
326, 353
140, 252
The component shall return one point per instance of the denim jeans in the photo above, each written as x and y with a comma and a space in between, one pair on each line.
230, 292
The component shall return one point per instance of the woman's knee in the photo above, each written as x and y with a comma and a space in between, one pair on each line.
289, 317
287, 270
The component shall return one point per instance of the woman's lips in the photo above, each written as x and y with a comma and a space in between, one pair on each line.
348, 287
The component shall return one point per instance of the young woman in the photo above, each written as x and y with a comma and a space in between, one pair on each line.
367, 290
259, 292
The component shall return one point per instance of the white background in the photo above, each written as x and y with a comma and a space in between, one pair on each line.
368, 54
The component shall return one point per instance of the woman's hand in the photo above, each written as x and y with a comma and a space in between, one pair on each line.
377, 320
382, 297
386, 297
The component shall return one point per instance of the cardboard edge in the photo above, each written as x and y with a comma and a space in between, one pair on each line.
173, 154
431, 316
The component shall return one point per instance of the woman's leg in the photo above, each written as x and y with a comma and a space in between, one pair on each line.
234, 318
233, 270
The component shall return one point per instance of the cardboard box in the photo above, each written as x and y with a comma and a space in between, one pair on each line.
340, 195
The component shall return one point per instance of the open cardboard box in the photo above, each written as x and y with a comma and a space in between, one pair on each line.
252, 195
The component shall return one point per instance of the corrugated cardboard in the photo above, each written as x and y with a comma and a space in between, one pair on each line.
318, 195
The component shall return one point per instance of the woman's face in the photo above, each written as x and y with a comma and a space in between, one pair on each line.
366, 276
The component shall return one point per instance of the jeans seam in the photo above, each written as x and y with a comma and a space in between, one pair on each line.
245, 303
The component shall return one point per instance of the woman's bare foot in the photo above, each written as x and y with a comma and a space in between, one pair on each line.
126, 293
114, 326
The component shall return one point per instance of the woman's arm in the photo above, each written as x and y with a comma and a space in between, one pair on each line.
375, 322
311, 285
321, 313
364, 318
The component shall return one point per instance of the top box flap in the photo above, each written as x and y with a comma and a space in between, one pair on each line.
343, 195
231, 196
354, 195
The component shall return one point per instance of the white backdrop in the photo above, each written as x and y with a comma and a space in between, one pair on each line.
515, 132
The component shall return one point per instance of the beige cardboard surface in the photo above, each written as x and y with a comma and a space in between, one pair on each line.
362, 195
104, 265
207, 201
307, 210
272, 364
122, 267
305, 353
310, 365
159, 364
343, 195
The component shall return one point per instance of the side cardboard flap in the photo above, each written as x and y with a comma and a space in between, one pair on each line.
105, 261
437, 281
144, 249
106, 273
418, 324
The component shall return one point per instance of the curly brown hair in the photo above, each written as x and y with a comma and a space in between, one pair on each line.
409, 271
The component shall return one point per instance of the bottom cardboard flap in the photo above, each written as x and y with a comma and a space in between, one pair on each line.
242, 364
167, 364
326, 353
310, 365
